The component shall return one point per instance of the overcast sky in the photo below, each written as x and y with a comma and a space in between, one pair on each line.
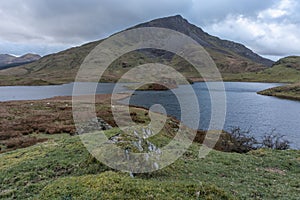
269, 27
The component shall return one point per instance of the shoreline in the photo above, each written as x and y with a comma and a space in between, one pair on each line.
289, 91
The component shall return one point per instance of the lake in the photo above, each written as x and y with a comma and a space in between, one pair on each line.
245, 108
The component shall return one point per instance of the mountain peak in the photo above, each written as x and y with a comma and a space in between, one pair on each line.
30, 56
176, 22
174, 18
180, 24
178, 17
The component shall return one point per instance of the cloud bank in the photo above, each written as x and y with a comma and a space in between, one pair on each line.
269, 27
273, 32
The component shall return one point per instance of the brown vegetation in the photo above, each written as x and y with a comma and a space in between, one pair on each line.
20, 119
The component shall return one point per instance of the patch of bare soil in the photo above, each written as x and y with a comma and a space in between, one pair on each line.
276, 171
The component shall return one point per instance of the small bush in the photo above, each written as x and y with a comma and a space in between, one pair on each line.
275, 141
242, 141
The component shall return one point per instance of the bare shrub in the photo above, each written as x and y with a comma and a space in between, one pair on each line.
274, 140
243, 141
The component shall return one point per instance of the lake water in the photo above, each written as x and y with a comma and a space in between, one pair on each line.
245, 108
13, 93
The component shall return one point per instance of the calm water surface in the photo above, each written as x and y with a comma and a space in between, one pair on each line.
245, 108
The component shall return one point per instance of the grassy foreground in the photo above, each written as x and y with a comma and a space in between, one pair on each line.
62, 168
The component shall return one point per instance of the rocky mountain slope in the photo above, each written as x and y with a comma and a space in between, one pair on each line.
62, 67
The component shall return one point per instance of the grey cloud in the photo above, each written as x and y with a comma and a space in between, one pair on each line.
273, 31
55, 24
66, 21
206, 12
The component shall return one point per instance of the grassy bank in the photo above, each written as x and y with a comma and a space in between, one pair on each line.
287, 92
276, 74
62, 168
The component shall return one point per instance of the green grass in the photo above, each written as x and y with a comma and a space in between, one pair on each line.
113, 185
25, 172
61, 168
279, 74
287, 91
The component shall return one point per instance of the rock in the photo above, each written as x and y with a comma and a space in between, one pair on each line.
96, 124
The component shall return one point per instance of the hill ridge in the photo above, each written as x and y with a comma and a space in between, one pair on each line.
7, 60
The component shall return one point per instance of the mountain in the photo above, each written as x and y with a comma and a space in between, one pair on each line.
292, 62
285, 70
230, 57
27, 58
7, 61
210, 43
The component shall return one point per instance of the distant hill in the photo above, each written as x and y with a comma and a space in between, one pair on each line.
292, 62
285, 70
8, 61
62, 67
289, 69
